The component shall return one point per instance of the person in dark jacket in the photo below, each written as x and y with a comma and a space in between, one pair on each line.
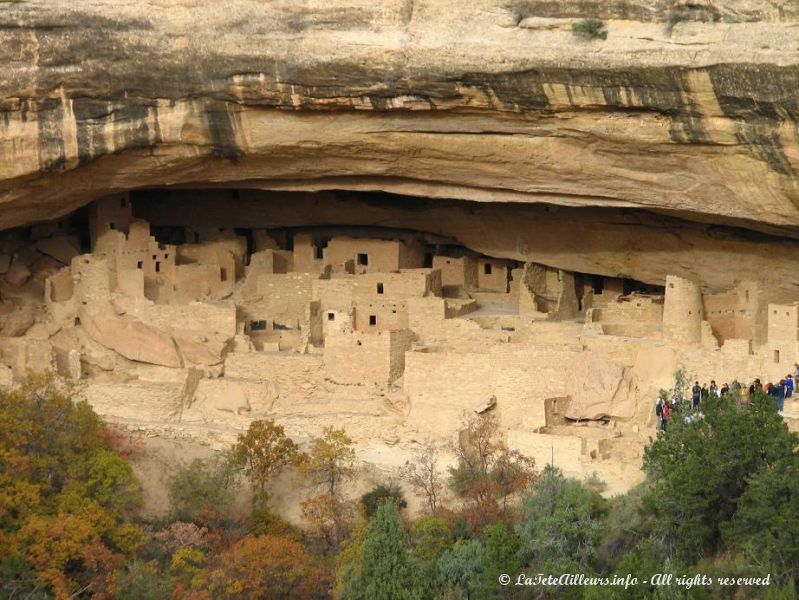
696, 394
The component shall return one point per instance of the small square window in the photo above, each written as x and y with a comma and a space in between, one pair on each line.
372, 320
331, 317
157, 267
363, 259
379, 288
487, 268
112, 226
140, 265
319, 253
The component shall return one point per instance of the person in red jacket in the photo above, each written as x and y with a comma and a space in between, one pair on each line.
665, 417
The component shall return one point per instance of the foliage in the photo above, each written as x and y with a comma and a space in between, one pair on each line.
142, 581
501, 548
561, 526
330, 520
265, 567
701, 469
424, 476
625, 526
330, 462
590, 29
379, 494
384, 570
204, 490
263, 452
66, 498
430, 537
766, 524
486, 468
461, 567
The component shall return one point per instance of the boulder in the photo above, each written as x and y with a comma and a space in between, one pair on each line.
18, 322
131, 338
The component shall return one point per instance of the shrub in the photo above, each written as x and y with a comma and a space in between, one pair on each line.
203, 490
382, 493
590, 29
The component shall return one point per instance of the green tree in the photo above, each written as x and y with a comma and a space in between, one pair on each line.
501, 548
562, 524
700, 470
330, 462
204, 490
384, 570
766, 524
263, 452
461, 568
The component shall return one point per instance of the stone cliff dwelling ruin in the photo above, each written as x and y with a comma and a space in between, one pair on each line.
391, 215
199, 310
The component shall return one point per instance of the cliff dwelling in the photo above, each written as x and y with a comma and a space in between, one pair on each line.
191, 312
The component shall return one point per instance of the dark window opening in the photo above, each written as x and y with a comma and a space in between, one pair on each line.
257, 325
372, 320
331, 317
223, 273
776, 356
363, 259
77, 321
487, 268
319, 253
598, 284
360, 343
157, 267
379, 288
140, 264
112, 226
428, 260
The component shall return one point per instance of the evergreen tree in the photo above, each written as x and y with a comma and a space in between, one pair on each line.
562, 525
766, 525
461, 568
701, 469
384, 570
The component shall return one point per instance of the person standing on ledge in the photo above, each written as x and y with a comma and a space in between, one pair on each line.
780, 395
665, 418
659, 411
696, 395
789, 386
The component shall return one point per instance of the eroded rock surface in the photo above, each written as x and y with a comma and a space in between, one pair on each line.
684, 107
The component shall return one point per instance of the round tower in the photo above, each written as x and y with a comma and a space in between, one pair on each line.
682, 311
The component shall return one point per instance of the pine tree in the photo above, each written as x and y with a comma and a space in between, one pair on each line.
384, 570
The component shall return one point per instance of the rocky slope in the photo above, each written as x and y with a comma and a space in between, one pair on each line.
687, 108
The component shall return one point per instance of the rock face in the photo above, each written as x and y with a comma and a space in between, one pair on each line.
684, 107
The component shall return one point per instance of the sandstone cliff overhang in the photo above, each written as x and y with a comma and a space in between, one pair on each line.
489, 100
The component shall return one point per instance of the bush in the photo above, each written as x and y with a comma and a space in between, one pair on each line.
590, 29
142, 581
204, 490
370, 501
